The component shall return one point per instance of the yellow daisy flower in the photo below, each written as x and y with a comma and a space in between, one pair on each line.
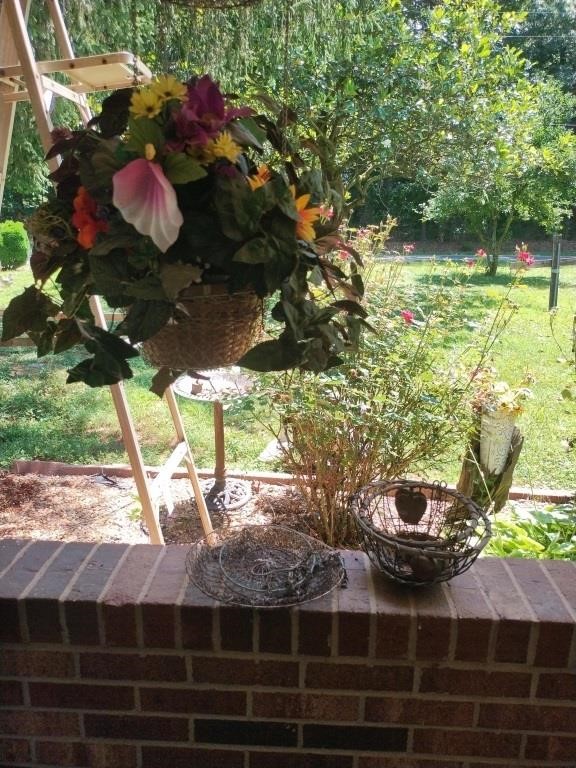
304, 228
168, 88
224, 146
260, 178
145, 103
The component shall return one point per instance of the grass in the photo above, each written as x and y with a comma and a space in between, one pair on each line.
530, 347
41, 417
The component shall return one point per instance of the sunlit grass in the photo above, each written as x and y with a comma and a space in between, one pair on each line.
42, 417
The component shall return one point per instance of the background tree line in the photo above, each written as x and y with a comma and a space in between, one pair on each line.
458, 113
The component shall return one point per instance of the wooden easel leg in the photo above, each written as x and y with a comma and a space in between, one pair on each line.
189, 461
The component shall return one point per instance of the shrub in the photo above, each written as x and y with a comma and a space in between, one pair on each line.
395, 408
541, 532
14, 244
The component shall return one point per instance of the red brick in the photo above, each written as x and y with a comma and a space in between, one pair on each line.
43, 621
279, 674
515, 617
11, 693
475, 682
158, 604
394, 617
236, 628
475, 618
554, 644
555, 622
354, 607
518, 717
275, 631
557, 686
25, 568
419, 712
23, 723
60, 572
96, 572
359, 677
196, 624
81, 696
355, 738
392, 636
433, 623
315, 627
192, 702
248, 732
299, 760
119, 600
132, 666
563, 575
550, 748
15, 750
512, 641
9, 548
137, 728
467, 743
94, 755
181, 757
35, 663
81, 619
159, 625
10, 630
296, 706
80, 601
409, 762
473, 641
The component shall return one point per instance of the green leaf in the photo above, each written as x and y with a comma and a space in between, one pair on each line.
113, 242
67, 335
142, 131
27, 312
247, 132
255, 251
164, 378
180, 168
275, 355
176, 277
144, 319
149, 288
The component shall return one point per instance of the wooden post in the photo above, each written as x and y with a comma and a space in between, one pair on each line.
8, 55
555, 271
219, 464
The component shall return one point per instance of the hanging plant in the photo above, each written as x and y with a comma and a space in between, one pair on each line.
165, 194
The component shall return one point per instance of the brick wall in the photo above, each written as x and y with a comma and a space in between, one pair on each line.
110, 659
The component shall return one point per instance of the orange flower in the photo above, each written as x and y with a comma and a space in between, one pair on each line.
260, 178
85, 219
306, 216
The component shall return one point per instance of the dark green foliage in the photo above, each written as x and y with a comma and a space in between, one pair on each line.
14, 244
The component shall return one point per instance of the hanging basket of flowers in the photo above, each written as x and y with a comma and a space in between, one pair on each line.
184, 212
214, 329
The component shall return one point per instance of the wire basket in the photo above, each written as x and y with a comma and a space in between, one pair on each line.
212, 329
263, 566
419, 533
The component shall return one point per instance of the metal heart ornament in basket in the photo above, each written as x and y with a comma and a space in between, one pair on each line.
419, 533
212, 328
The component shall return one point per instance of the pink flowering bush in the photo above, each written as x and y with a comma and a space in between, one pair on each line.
523, 255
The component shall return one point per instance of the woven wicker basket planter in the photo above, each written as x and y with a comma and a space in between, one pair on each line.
213, 329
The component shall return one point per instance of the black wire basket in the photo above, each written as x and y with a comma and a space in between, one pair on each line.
419, 533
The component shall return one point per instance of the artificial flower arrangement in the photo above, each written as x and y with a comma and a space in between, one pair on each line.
493, 396
171, 187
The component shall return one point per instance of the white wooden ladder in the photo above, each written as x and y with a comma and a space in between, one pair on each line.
23, 78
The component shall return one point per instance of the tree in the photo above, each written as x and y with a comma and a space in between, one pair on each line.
523, 169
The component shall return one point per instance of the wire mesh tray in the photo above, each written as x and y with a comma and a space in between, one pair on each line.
264, 566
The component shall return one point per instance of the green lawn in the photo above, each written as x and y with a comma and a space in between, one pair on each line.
41, 417
528, 348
